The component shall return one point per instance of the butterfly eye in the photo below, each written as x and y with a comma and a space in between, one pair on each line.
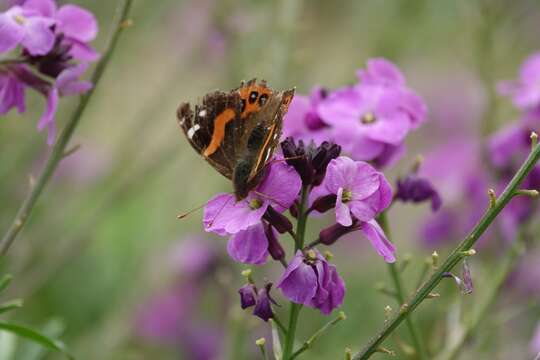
243, 105
262, 99
253, 97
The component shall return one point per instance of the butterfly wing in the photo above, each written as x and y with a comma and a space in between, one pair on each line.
208, 125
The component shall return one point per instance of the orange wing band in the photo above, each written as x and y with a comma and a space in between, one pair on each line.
219, 131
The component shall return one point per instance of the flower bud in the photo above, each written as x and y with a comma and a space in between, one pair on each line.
274, 247
247, 296
332, 233
263, 308
415, 189
279, 221
324, 203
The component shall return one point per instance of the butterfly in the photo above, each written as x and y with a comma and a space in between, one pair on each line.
237, 131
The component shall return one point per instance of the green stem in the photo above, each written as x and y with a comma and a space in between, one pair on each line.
416, 337
505, 269
298, 244
455, 257
59, 148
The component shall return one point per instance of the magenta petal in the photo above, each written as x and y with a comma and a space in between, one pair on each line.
381, 71
343, 214
81, 51
39, 38
77, 23
249, 246
68, 81
224, 215
281, 186
45, 8
51, 133
11, 33
378, 240
340, 173
300, 284
11, 93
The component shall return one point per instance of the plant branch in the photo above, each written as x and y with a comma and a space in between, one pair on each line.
59, 148
416, 337
455, 257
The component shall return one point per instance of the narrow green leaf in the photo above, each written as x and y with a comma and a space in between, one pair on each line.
10, 305
4, 281
36, 337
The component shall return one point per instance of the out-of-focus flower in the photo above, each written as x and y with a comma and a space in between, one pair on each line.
416, 189
372, 118
25, 26
526, 278
311, 280
361, 191
525, 91
303, 122
224, 215
311, 161
11, 93
76, 26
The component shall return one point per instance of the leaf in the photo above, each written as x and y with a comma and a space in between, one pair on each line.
10, 305
276, 343
4, 281
36, 337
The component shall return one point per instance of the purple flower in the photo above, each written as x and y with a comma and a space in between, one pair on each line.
263, 307
525, 91
303, 122
194, 257
280, 187
508, 142
380, 71
416, 189
11, 93
77, 26
361, 191
312, 281
249, 246
25, 26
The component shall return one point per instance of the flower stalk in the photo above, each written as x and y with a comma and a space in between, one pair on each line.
456, 256
58, 150
299, 244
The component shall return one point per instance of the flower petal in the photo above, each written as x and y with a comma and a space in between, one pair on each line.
45, 8
378, 240
281, 186
77, 23
11, 33
38, 38
81, 51
300, 284
343, 214
249, 246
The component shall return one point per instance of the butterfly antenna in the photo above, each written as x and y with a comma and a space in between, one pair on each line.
219, 212
186, 214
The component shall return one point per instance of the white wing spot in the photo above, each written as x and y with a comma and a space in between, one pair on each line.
202, 113
182, 120
193, 130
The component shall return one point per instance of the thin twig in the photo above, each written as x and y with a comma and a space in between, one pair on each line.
455, 257
59, 148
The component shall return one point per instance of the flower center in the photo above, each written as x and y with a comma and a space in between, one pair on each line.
19, 19
255, 204
346, 196
310, 257
368, 118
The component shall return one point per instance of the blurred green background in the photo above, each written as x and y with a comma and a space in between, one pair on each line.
96, 246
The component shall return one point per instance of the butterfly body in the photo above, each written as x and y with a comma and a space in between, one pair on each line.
237, 131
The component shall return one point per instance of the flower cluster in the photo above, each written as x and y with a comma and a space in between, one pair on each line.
370, 119
52, 51
310, 179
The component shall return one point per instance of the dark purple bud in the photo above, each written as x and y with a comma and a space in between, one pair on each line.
279, 221
247, 296
417, 190
322, 157
332, 233
263, 308
324, 203
274, 247
297, 157
55, 61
